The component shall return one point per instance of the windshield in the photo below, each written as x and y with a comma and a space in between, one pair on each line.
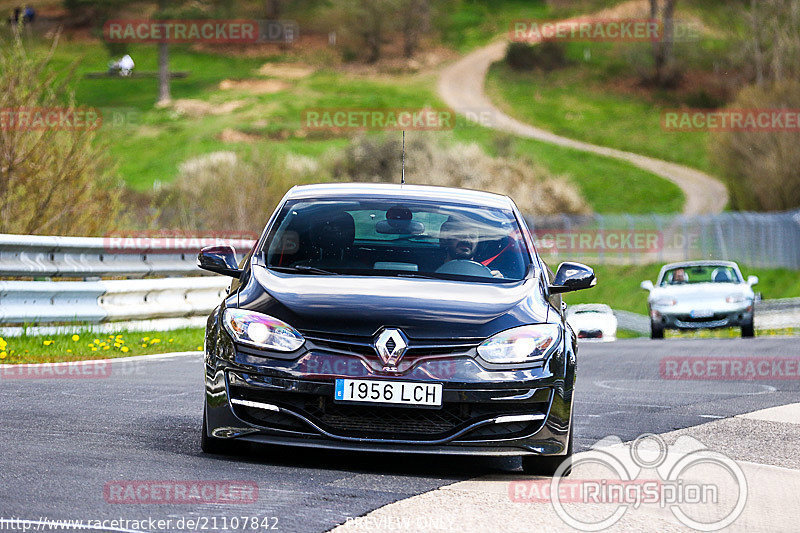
701, 274
397, 238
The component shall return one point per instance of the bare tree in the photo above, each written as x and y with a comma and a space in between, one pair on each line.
273, 9
763, 166
773, 46
368, 21
663, 48
415, 20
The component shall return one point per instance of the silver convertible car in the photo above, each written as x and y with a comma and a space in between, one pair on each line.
701, 295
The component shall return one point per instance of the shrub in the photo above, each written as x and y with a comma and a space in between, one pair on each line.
222, 192
52, 181
547, 56
429, 161
763, 166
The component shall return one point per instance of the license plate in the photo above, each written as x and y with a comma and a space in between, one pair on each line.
394, 392
701, 313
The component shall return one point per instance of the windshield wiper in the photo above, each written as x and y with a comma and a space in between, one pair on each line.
304, 268
409, 274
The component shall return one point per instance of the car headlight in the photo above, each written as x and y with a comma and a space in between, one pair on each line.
736, 299
664, 302
525, 344
260, 330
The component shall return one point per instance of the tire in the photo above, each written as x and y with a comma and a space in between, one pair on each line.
214, 445
538, 465
748, 330
656, 331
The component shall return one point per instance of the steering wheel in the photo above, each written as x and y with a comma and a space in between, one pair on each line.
465, 267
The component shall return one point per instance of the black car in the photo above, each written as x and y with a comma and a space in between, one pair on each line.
393, 318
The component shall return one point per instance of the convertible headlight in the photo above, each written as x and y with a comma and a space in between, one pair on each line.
735, 299
264, 331
525, 344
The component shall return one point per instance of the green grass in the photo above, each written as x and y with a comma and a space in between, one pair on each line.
618, 286
87, 345
151, 149
573, 102
473, 23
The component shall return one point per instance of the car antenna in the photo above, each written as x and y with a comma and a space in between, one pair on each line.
403, 157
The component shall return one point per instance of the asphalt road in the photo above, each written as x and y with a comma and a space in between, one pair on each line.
62, 440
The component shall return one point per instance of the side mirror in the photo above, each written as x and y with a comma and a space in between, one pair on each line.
647, 285
220, 260
572, 277
752, 280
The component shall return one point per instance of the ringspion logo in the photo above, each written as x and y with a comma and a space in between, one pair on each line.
703, 489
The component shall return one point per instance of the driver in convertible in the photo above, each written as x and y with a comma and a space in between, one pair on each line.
460, 242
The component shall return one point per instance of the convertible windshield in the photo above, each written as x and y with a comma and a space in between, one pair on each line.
397, 238
701, 274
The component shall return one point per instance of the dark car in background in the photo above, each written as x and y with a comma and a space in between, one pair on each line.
393, 318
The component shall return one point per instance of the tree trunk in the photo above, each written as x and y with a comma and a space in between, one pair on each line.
663, 48
758, 55
163, 74
273, 9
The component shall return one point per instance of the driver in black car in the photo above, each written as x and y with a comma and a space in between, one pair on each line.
460, 241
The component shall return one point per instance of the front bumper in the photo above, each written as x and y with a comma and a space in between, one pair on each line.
684, 320
484, 412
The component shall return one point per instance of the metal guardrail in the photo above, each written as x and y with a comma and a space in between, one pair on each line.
177, 300
87, 257
756, 240
35, 302
179, 296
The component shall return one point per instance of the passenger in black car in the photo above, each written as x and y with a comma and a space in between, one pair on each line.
332, 240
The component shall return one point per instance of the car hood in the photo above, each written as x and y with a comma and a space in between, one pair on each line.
701, 291
422, 308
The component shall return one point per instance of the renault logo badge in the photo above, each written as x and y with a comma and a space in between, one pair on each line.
391, 344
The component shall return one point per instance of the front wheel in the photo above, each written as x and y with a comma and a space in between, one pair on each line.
212, 444
656, 330
547, 465
748, 330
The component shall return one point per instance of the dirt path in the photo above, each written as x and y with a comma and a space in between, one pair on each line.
461, 86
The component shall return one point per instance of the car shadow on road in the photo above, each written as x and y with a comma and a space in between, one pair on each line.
445, 467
